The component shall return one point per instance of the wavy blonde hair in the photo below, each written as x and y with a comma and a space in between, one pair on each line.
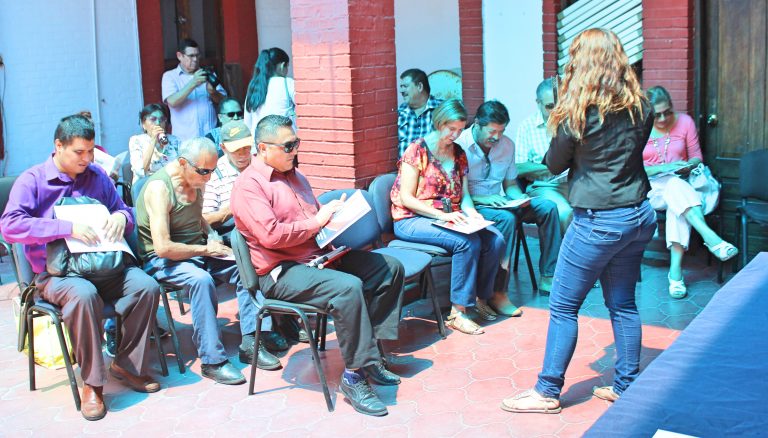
597, 74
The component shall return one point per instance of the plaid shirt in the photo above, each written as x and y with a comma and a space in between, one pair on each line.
410, 126
532, 140
219, 188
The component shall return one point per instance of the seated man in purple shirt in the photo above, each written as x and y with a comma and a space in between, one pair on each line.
28, 219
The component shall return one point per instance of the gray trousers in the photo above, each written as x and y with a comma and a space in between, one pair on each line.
135, 297
544, 214
362, 293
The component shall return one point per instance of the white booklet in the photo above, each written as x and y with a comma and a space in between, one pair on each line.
95, 216
513, 203
470, 227
353, 209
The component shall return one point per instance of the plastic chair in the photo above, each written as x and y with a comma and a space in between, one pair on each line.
753, 190
6, 184
250, 281
366, 233
124, 176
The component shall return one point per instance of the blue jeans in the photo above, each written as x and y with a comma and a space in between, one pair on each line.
197, 276
475, 257
609, 245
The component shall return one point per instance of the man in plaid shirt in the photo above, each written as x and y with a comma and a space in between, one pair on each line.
414, 116
532, 142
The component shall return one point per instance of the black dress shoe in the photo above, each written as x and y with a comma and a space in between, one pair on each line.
362, 398
274, 341
381, 375
265, 359
224, 373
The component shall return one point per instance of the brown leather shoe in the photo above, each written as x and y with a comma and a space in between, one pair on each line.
137, 383
92, 406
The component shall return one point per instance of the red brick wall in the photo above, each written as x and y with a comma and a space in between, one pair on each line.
668, 49
346, 90
471, 46
550, 9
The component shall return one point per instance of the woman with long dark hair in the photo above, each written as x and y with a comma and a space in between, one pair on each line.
600, 126
270, 91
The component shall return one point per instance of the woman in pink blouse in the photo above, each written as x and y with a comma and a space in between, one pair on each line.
671, 153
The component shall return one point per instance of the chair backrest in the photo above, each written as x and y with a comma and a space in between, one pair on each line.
753, 178
6, 183
382, 203
362, 233
125, 173
136, 189
248, 277
24, 273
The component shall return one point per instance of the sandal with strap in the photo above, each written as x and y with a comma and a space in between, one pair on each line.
723, 250
531, 401
459, 321
677, 288
485, 311
605, 393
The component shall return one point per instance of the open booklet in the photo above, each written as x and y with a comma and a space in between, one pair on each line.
559, 178
513, 203
95, 216
470, 227
353, 209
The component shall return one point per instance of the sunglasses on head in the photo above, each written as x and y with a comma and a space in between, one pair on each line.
287, 147
200, 170
233, 114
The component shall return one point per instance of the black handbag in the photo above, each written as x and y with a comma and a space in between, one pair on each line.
89, 265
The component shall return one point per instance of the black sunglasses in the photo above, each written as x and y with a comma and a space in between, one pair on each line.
236, 115
287, 147
200, 170
667, 113
549, 106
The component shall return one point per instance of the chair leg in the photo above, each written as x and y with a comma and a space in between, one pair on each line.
430, 287
524, 243
323, 329
160, 350
180, 300
316, 361
264, 312
744, 240
517, 243
172, 329
31, 350
67, 362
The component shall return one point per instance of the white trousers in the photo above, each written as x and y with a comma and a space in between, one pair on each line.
676, 196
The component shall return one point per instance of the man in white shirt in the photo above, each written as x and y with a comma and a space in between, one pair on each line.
532, 140
190, 94
492, 183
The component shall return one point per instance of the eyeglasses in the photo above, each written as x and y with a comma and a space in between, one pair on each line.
200, 170
157, 120
667, 113
549, 106
235, 115
287, 147
191, 55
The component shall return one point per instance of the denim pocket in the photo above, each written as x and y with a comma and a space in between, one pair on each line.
599, 235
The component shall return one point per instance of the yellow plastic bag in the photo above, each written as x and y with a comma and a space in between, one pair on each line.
47, 348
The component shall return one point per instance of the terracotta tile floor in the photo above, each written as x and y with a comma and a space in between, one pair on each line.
450, 387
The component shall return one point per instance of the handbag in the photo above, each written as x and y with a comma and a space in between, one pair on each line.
92, 266
48, 351
706, 185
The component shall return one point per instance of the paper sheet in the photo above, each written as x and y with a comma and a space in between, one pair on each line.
95, 216
353, 209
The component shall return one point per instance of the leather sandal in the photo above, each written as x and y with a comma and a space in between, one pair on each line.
485, 311
605, 393
459, 321
723, 250
505, 307
677, 288
531, 401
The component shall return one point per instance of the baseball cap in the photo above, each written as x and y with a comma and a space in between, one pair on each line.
236, 135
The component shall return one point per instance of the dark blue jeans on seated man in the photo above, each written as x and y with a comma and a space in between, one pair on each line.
475, 257
196, 275
604, 244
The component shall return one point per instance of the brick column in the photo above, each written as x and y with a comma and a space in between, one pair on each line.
471, 46
346, 90
550, 9
668, 49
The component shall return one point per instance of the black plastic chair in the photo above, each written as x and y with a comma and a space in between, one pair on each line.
250, 281
6, 183
366, 233
753, 190
124, 176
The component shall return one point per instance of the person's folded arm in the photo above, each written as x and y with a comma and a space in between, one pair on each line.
560, 154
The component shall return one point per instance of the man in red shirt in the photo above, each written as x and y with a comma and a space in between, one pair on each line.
279, 216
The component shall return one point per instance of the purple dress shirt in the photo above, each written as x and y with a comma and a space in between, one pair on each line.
28, 217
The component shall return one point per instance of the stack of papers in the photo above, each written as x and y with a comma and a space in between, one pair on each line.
472, 225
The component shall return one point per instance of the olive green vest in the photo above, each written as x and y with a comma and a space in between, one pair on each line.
186, 224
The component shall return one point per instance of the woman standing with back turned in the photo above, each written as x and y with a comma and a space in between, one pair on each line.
600, 124
270, 91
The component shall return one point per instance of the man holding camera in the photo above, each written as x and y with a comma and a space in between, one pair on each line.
191, 93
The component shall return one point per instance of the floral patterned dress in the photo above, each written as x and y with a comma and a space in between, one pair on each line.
434, 182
